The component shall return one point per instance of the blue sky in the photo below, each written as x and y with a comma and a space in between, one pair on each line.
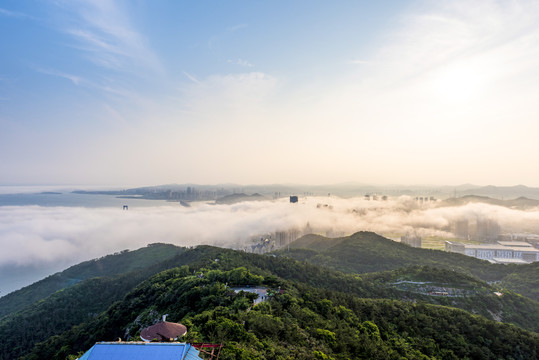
151, 92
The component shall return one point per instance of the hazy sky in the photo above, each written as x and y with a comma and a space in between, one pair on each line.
153, 92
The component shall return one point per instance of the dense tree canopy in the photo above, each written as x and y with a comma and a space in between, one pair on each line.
414, 309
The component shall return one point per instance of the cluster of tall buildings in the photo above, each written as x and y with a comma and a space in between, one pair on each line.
425, 199
267, 242
480, 229
375, 197
411, 240
278, 239
190, 194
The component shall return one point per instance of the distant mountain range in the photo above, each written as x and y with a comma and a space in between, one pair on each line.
235, 198
502, 192
166, 192
522, 203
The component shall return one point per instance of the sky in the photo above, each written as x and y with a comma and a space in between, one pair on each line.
141, 92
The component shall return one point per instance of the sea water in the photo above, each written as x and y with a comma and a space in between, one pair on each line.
13, 277
53, 196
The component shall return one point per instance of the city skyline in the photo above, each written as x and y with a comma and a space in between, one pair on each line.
126, 93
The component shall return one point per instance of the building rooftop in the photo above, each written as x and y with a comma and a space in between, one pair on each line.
515, 243
259, 290
487, 247
141, 351
508, 261
525, 250
163, 330
525, 235
530, 249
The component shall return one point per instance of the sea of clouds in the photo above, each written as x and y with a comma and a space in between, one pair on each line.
44, 236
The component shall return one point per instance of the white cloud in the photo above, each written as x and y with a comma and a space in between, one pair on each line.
103, 30
240, 62
191, 77
496, 38
445, 88
44, 235
76, 80
233, 98
14, 14
237, 27
51, 238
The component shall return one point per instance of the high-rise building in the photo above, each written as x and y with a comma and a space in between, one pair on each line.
411, 240
461, 229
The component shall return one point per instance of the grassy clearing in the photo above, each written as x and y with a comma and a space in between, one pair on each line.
432, 242
438, 243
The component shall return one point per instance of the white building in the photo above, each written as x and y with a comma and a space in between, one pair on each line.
503, 252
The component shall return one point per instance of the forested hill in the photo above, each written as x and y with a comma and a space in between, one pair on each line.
302, 322
366, 252
110, 265
322, 313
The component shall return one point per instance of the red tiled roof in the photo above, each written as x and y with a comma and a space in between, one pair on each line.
163, 331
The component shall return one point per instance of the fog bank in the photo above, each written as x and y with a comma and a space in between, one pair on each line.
41, 236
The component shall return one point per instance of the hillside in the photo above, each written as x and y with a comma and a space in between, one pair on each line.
303, 322
366, 252
75, 304
204, 304
110, 265
504, 191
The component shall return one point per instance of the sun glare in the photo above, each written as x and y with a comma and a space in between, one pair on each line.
459, 83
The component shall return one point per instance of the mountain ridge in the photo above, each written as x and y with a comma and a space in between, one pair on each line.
121, 262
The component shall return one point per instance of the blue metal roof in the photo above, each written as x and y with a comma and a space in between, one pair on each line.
140, 351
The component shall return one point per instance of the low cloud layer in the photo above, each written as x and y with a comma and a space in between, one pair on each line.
44, 235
